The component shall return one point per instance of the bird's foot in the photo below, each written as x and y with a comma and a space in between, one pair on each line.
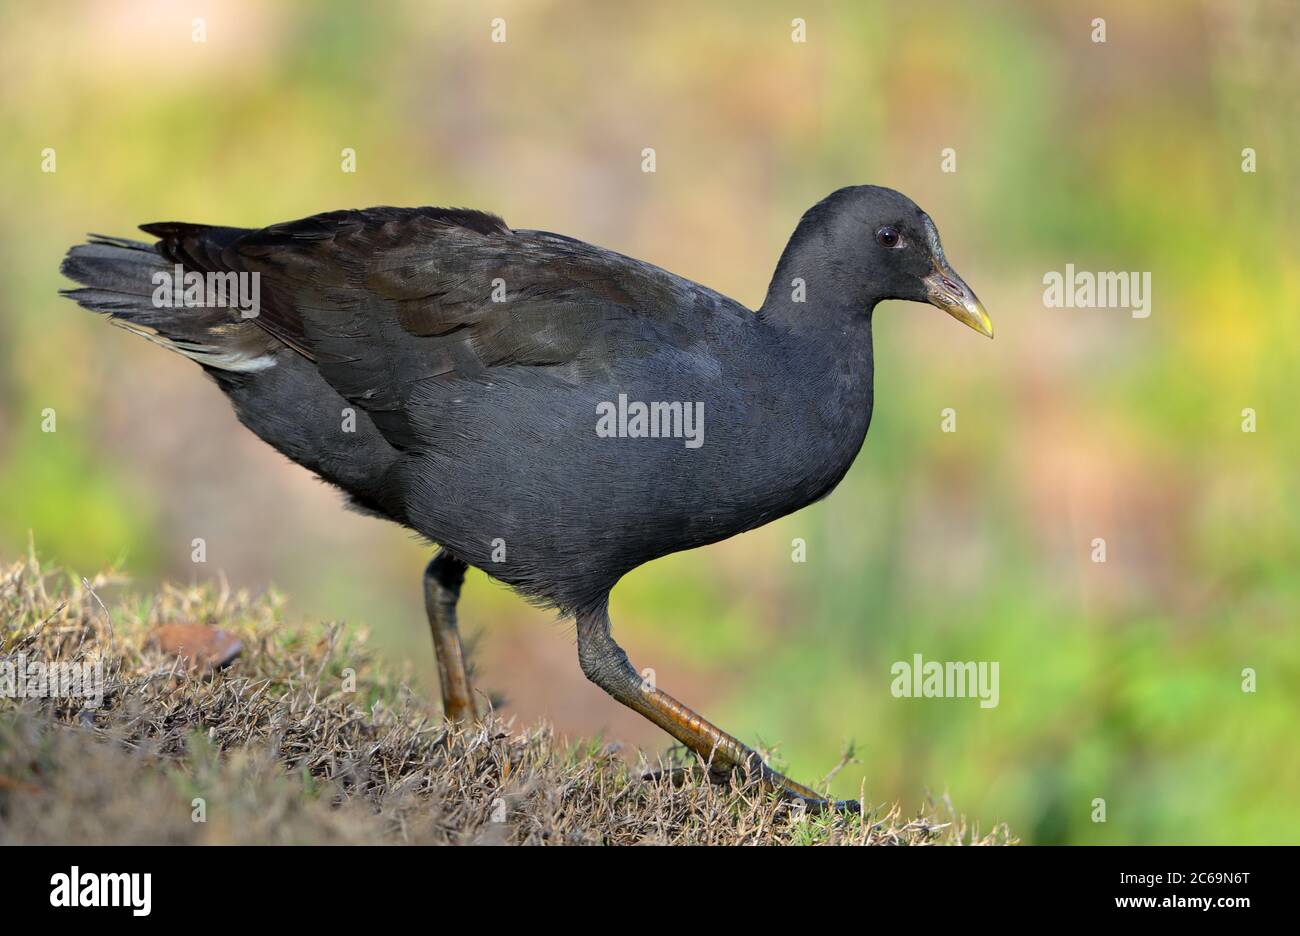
794, 793
810, 799
675, 776
816, 806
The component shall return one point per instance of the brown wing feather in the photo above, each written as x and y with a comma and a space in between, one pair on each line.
383, 298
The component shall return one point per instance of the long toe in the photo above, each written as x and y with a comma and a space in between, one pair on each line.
818, 806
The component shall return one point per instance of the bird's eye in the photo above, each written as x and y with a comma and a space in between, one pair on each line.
888, 237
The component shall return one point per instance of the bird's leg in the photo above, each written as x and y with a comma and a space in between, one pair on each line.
604, 663
442, 581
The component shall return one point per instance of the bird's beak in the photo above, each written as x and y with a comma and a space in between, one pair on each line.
946, 290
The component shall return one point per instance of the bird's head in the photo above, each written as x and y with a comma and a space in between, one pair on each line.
877, 244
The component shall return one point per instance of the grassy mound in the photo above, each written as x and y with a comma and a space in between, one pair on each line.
304, 739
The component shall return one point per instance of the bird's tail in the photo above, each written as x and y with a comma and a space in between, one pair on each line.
277, 393
204, 316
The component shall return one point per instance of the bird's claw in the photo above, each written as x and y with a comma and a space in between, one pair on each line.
788, 789
817, 806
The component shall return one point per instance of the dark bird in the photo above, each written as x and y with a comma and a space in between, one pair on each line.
550, 412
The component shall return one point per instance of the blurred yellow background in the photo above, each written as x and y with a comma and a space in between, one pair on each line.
1119, 680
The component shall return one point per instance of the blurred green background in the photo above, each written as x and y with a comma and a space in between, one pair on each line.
1120, 680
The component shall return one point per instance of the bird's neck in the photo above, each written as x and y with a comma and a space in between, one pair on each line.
822, 312
813, 290
819, 312
827, 420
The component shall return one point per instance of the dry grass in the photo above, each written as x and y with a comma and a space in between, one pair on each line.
282, 748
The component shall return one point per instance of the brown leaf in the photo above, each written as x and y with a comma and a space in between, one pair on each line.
208, 647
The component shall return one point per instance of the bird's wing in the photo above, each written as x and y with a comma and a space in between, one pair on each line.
384, 298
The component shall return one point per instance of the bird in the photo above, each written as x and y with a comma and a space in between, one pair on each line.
550, 412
